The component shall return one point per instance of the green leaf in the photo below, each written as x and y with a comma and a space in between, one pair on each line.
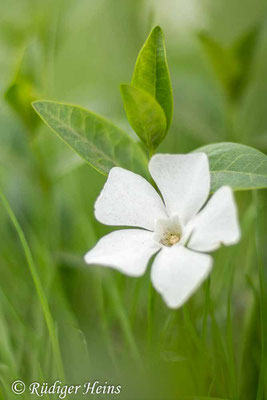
24, 87
244, 49
223, 61
151, 72
95, 139
19, 95
148, 100
144, 115
239, 166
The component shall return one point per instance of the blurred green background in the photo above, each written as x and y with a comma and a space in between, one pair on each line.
79, 52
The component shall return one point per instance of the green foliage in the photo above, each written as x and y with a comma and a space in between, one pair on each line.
236, 165
232, 64
222, 60
244, 50
24, 88
145, 115
148, 100
95, 139
215, 346
19, 95
151, 72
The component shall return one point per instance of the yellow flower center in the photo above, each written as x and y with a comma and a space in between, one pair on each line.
169, 239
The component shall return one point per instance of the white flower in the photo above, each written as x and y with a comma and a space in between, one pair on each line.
177, 228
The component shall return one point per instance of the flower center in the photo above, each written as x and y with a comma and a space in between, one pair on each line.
169, 231
169, 239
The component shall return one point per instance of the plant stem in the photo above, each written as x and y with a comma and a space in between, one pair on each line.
262, 300
124, 321
150, 314
151, 152
229, 339
206, 311
38, 286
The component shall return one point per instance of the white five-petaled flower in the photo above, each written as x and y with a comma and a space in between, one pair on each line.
176, 227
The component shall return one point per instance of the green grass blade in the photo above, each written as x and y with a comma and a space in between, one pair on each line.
38, 286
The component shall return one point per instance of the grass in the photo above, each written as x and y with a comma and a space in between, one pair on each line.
60, 319
39, 288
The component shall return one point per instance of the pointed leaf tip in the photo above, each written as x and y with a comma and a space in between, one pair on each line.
151, 72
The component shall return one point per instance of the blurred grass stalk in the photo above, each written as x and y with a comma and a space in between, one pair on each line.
38, 286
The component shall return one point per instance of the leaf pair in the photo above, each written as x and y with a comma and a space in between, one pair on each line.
148, 100
148, 103
104, 146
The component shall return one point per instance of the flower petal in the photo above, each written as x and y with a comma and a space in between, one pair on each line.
128, 199
177, 272
217, 223
184, 181
127, 250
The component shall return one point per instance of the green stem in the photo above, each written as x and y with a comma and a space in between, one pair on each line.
229, 339
206, 311
262, 299
103, 319
151, 152
111, 288
124, 321
38, 286
150, 314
